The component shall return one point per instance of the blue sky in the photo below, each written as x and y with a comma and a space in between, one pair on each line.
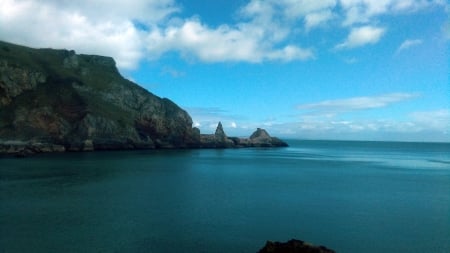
330, 69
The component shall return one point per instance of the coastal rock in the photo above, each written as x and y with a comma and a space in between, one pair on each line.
220, 138
24, 149
217, 140
57, 100
260, 138
14, 80
81, 103
293, 246
220, 135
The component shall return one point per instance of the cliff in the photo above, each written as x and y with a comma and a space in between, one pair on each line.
56, 100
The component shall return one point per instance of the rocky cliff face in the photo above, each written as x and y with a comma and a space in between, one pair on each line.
81, 102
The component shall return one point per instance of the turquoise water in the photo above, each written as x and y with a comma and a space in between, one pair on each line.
349, 196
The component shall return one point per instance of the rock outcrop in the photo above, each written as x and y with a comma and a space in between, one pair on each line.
219, 135
81, 102
260, 138
293, 246
57, 100
217, 140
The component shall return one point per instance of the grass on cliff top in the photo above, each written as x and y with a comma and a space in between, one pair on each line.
98, 74
51, 63
35, 59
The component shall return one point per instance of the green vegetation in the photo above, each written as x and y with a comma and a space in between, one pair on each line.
67, 98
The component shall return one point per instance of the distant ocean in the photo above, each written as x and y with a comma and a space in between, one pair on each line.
352, 197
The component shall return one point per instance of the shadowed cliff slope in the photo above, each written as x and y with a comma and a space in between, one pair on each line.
81, 102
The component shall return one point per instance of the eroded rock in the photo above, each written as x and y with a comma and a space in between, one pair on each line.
293, 246
260, 138
82, 103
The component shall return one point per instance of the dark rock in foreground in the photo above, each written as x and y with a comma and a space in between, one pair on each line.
293, 246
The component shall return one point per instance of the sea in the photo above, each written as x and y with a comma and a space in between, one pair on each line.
350, 196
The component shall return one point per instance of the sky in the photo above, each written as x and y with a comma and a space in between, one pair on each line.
308, 69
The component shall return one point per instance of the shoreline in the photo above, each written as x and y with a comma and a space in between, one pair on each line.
218, 140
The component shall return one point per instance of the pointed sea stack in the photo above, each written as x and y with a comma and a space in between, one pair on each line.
220, 135
260, 138
217, 140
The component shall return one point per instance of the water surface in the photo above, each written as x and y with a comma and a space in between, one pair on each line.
349, 196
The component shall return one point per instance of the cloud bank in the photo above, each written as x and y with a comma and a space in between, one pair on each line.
335, 119
225, 43
134, 30
332, 107
431, 125
79, 25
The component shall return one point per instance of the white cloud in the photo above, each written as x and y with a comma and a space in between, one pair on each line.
269, 12
224, 43
133, 30
408, 44
416, 126
361, 36
300, 8
360, 11
326, 120
419, 126
291, 53
260, 36
316, 19
146, 11
332, 107
438, 120
81, 26
363, 11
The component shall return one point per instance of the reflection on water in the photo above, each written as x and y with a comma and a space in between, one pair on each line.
349, 196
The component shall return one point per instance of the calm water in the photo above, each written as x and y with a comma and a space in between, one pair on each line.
349, 196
